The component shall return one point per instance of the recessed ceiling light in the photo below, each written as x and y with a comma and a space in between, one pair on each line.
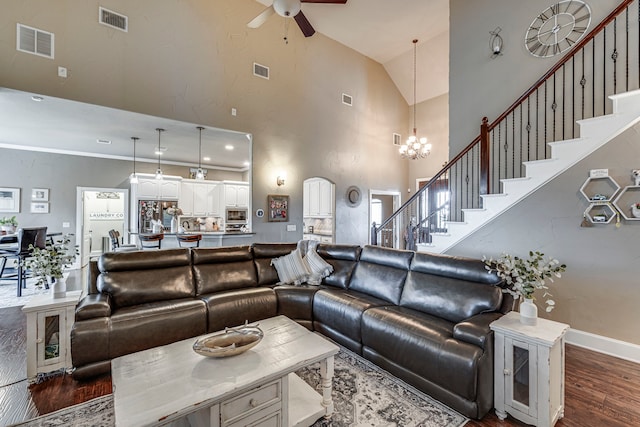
206, 159
103, 141
158, 153
37, 98
228, 147
246, 163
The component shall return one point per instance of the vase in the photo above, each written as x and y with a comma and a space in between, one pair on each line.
528, 312
57, 286
174, 225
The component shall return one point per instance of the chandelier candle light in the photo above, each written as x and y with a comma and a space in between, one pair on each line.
414, 147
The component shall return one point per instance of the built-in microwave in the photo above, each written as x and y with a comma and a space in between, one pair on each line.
236, 216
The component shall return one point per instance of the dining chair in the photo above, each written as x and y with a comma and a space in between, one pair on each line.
189, 240
34, 237
151, 241
115, 243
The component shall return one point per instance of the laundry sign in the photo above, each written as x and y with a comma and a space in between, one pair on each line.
106, 216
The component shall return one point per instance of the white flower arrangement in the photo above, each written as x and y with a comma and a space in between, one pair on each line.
50, 261
524, 276
174, 211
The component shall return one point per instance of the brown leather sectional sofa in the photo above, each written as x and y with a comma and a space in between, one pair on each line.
423, 317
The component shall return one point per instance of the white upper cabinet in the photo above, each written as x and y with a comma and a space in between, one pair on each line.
236, 195
200, 198
156, 189
318, 198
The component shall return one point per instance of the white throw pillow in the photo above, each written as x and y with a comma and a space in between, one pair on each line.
291, 268
318, 267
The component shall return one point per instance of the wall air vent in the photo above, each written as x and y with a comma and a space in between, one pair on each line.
35, 41
347, 99
112, 19
397, 139
260, 70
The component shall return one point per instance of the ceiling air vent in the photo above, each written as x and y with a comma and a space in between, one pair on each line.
397, 139
260, 71
35, 41
347, 99
113, 19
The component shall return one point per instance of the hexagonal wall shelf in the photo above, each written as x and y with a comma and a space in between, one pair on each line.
600, 213
628, 196
599, 189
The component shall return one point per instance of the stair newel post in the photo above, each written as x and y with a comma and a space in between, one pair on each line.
484, 156
374, 234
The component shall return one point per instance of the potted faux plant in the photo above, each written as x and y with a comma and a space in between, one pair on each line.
524, 276
48, 263
8, 224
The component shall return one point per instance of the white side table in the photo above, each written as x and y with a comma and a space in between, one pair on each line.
49, 323
529, 370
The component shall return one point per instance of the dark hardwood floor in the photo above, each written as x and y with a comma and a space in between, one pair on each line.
600, 390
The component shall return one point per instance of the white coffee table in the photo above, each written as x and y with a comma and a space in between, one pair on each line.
173, 385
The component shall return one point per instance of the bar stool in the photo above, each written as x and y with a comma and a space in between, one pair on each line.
151, 241
34, 237
189, 240
114, 235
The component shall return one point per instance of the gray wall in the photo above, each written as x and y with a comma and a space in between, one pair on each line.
192, 61
481, 86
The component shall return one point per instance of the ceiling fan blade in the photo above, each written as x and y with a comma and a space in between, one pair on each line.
304, 24
324, 1
262, 18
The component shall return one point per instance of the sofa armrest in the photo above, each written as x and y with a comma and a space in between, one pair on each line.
92, 306
475, 330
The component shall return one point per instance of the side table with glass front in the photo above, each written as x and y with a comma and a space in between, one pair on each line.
49, 322
529, 370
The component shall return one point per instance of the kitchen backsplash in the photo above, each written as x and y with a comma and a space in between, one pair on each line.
192, 223
320, 225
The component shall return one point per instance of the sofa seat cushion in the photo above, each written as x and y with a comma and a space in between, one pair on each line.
144, 326
296, 302
342, 310
223, 269
233, 308
424, 345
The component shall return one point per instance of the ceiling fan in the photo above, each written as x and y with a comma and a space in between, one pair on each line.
288, 9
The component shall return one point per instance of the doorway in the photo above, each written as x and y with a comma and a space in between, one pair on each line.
382, 204
98, 211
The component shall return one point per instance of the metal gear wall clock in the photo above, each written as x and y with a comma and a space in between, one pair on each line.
558, 28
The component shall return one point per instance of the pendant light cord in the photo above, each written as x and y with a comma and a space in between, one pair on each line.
415, 68
200, 128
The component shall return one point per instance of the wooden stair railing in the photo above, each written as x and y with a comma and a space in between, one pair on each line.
546, 112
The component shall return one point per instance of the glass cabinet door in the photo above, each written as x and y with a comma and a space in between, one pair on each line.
50, 336
520, 383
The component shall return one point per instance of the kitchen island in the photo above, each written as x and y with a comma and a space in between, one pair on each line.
210, 239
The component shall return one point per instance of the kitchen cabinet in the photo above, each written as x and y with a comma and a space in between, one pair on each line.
236, 195
200, 198
156, 189
318, 198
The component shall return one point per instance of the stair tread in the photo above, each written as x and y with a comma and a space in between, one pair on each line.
522, 178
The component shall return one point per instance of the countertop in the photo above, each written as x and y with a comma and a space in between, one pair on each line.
206, 233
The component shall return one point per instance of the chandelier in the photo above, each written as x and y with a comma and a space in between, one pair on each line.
414, 147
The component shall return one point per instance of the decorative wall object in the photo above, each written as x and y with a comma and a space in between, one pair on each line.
39, 207
278, 207
39, 194
9, 199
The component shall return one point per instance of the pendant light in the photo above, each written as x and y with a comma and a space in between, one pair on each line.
159, 171
414, 147
200, 172
134, 177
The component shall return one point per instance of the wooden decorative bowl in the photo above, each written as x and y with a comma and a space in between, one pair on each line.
230, 342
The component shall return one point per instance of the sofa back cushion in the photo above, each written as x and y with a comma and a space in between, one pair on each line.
133, 278
223, 269
453, 288
381, 272
263, 253
343, 259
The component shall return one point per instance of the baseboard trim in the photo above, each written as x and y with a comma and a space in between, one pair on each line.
601, 344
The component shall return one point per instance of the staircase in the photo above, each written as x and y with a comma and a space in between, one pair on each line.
562, 118
595, 132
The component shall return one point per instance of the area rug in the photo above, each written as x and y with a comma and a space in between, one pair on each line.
363, 395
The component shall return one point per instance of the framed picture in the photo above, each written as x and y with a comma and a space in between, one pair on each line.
39, 194
278, 208
9, 199
39, 207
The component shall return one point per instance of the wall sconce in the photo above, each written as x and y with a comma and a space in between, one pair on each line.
280, 180
496, 42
